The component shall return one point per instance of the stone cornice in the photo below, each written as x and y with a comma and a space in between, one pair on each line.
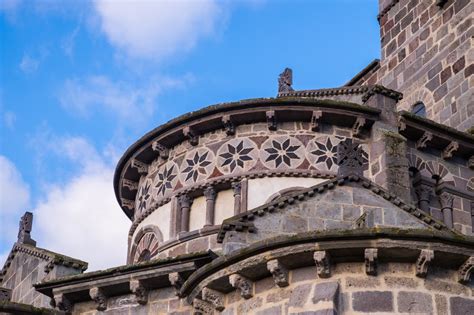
430, 134
243, 222
372, 66
51, 257
122, 274
243, 112
452, 250
344, 90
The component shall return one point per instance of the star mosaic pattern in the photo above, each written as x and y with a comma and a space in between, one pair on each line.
282, 152
144, 196
165, 179
326, 152
196, 165
235, 154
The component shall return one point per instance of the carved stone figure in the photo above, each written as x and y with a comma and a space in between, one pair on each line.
285, 81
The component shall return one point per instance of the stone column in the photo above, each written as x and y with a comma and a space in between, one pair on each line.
423, 191
210, 194
236, 186
185, 203
446, 201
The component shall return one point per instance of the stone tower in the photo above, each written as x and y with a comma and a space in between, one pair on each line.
427, 54
348, 200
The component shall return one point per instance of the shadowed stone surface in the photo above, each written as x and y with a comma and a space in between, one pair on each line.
375, 301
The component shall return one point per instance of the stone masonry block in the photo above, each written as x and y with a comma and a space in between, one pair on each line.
300, 295
414, 302
326, 291
372, 301
461, 305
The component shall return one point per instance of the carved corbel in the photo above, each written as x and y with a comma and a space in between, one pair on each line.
402, 124
228, 125
191, 135
423, 262
98, 296
128, 203
215, 298
465, 271
358, 125
323, 263
176, 281
279, 273
242, 284
62, 303
271, 120
163, 151
202, 307
130, 184
423, 141
139, 290
317, 114
448, 152
370, 256
470, 163
141, 167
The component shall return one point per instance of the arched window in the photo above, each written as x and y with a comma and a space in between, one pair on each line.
146, 248
419, 109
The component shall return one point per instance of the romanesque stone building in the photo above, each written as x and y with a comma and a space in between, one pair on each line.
352, 200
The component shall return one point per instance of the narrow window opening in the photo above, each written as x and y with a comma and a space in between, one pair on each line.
419, 109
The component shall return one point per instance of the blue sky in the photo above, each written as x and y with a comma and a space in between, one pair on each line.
82, 80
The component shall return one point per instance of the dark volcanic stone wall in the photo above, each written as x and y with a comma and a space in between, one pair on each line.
427, 55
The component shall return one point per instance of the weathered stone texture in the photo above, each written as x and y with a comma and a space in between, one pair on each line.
373, 301
424, 49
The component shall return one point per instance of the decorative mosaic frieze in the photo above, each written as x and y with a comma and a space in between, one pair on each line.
238, 156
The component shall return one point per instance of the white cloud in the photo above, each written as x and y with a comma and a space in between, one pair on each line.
29, 64
79, 218
155, 30
128, 102
14, 192
82, 218
14, 200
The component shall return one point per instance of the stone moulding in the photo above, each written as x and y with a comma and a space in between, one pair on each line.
242, 222
243, 112
348, 246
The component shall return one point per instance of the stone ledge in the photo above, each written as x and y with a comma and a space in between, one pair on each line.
450, 251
